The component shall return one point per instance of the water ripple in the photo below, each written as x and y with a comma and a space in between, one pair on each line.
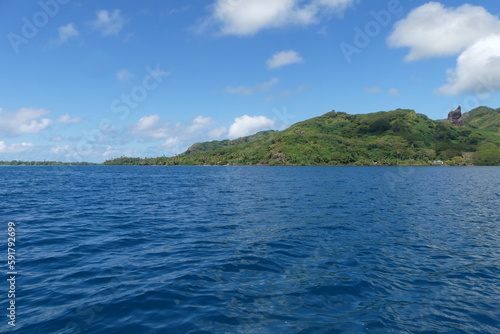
255, 250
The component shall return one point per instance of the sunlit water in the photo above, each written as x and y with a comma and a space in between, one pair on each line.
111, 249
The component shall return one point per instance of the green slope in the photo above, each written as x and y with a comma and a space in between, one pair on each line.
484, 118
398, 137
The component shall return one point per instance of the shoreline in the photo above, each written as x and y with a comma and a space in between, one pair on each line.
235, 165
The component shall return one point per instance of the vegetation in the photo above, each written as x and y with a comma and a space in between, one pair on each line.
398, 137
42, 163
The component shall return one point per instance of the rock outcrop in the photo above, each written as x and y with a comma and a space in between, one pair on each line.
455, 117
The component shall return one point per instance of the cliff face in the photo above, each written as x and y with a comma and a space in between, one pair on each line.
455, 117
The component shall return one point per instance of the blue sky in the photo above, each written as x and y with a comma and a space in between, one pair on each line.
90, 81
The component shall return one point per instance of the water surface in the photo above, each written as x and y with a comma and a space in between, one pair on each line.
114, 249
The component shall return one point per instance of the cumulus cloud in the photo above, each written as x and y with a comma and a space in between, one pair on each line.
432, 30
65, 33
245, 90
176, 137
109, 23
150, 127
284, 58
153, 127
15, 148
24, 121
477, 70
30, 121
197, 124
471, 32
247, 17
247, 125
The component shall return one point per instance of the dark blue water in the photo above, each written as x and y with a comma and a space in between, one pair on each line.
104, 249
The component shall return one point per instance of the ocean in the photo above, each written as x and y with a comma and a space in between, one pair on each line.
230, 249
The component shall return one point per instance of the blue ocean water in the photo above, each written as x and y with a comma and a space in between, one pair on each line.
117, 249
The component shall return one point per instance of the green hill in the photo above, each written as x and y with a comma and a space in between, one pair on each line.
398, 137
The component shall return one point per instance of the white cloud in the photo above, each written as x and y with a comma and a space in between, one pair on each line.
109, 23
153, 127
393, 92
66, 119
124, 75
432, 30
245, 90
95, 152
30, 121
247, 17
150, 127
197, 124
175, 137
372, 90
477, 70
65, 33
15, 148
284, 58
246, 125
471, 32
24, 121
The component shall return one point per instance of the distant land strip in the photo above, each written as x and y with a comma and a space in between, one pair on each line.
399, 137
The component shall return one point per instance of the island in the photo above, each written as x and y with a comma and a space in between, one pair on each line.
385, 138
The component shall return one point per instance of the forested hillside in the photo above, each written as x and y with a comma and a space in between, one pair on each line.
398, 137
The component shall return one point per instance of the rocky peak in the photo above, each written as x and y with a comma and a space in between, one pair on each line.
455, 117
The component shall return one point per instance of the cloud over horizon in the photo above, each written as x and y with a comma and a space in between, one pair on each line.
175, 137
15, 148
247, 125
